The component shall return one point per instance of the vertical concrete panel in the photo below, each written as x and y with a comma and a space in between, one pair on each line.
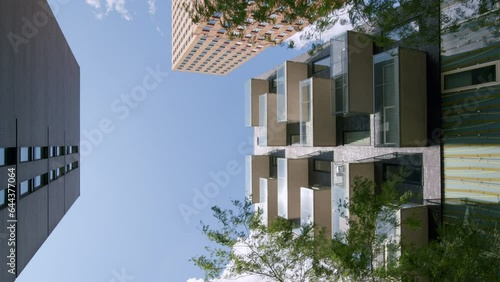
56, 203
297, 177
360, 73
412, 98
324, 124
32, 225
295, 72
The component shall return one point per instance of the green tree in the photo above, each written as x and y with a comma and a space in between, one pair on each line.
372, 217
282, 252
466, 250
276, 252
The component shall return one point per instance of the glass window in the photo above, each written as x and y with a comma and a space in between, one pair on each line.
37, 181
3, 197
2, 156
306, 206
338, 73
61, 171
52, 175
294, 139
37, 153
322, 166
25, 187
25, 154
281, 92
306, 126
386, 100
321, 67
471, 77
283, 187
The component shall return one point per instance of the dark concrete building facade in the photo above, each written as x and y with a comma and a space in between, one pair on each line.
39, 130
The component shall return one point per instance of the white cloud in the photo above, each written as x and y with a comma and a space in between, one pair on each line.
111, 6
152, 6
94, 3
159, 31
119, 7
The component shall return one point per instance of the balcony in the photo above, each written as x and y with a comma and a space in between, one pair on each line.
352, 72
270, 132
343, 175
253, 89
268, 201
317, 125
400, 102
315, 207
287, 77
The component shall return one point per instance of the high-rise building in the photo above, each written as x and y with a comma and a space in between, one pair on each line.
206, 47
39, 130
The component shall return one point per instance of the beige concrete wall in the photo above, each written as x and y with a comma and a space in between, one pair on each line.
295, 72
276, 131
298, 176
412, 97
260, 168
257, 87
360, 73
366, 170
324, 124
323, 210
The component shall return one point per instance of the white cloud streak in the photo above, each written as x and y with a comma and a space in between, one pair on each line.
117, 6
94, 3
152, 6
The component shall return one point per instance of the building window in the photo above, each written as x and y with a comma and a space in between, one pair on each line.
472, 77
38, 153
25, 154
321, 67
322, 166
25, 186
3, 197
7, 156
411, 175
294, 139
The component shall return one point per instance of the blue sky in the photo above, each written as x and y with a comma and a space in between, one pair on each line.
142, 159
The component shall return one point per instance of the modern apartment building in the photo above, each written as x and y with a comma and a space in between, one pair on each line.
352, 109
205, 47
39, 131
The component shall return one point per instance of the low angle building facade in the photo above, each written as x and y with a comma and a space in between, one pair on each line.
39, 131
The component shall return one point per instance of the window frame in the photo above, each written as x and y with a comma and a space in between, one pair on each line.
476, 86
